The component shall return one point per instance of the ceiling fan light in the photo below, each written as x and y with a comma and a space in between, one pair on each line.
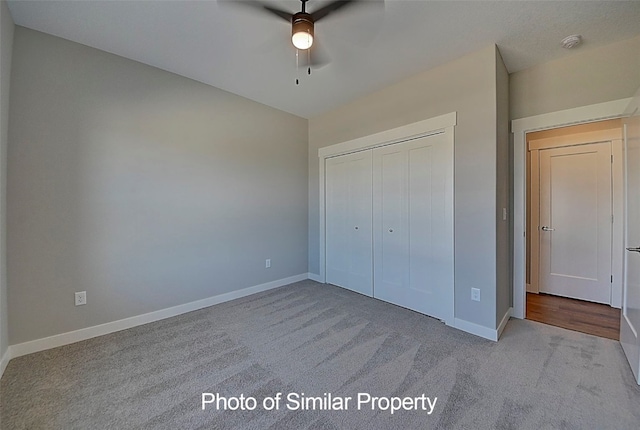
302, 31
302, 40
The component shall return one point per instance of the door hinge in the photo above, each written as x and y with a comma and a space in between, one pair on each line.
611, 219
612, 279
612, 158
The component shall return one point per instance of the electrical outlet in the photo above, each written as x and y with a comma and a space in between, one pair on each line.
475, 294
267, 263
81, 298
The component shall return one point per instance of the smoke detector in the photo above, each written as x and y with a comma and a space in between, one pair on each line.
571, 41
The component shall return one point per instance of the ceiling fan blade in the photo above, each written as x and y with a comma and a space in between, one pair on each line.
278, 12
260, 7
332, 7
365, 24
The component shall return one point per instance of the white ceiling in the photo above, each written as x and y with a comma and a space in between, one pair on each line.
249, 54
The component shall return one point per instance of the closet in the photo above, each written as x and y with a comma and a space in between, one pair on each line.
389, 222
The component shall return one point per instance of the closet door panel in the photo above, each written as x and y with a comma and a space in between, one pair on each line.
336, 196
430, 287
414, 268
349, 253
361, 228
391, 235
421, 222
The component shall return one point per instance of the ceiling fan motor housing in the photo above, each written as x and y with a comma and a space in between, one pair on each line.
302, 27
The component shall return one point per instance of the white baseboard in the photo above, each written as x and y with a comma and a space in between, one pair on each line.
4, 361
114, 326
482, 331
478, 330
314, 277
505, 320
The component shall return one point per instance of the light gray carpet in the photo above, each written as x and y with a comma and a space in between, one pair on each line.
316, 339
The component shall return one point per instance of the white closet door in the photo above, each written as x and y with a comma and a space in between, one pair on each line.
391, 233
349, 248
413, 225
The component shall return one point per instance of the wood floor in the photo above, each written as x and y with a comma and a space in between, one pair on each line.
586, 317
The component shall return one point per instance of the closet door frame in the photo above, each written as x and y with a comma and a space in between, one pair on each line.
443, 124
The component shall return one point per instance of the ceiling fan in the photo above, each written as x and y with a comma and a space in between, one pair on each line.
303, 22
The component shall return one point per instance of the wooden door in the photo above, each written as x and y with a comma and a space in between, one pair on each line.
576, 222
413, 225
349, 254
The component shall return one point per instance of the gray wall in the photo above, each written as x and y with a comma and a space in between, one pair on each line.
503, 192
587, 77
6, 43
146, 189
468, 86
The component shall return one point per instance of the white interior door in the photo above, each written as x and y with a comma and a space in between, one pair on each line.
349, 255
575, 222
630, 315
413, 225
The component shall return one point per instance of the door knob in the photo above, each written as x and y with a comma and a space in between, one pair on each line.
634, 249
356, 227
390, 230
545, 228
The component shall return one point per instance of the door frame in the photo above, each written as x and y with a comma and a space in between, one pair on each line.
519, 129
437, 125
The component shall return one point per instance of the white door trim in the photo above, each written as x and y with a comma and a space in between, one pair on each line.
440, 124
388, 137
519, 128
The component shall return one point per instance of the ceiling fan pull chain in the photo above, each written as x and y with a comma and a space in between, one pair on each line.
309, 61
297, 65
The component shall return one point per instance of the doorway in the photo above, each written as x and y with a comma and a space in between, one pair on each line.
577, 315
574, 192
